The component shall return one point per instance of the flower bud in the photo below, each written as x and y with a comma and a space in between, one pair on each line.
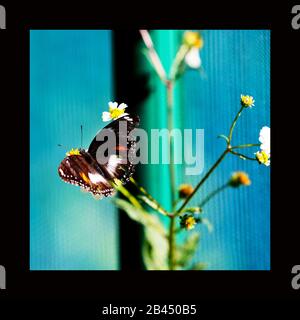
239, 178
185, 190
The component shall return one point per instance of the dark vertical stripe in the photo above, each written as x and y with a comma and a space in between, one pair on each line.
130, 89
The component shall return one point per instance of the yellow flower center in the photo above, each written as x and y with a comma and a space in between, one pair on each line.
247, 101
73, 152
193, 39
116, 113
190, 223
262, 157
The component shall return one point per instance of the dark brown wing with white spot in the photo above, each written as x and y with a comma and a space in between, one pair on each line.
119, 161
82, 170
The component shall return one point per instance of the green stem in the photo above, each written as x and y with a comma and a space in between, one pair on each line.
170, 87
248, 145
129, 196
172, 234
153, 56
183, 50
148, 195
212, 194
210, 171
172, 243
234, 123
242, 155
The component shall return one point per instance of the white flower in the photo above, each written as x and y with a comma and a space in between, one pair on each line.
192, 58
265, 139
263, 156
114, 112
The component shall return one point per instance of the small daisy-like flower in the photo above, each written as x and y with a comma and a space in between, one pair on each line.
194, 42
193, 39
188, 221
247, 101
73, 152
263, 158
239, 178
192, 58
265, 139
115, 111
185, 190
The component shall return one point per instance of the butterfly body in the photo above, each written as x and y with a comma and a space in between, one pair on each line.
84, 168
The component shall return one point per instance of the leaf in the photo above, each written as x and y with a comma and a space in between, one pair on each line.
199, 266
186, 251
155, 246
155, 250
140, 215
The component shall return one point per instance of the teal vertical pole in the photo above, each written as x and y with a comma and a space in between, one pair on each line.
154, 112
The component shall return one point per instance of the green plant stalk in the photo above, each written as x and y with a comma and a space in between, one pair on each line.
153, 56
129, 196
248, 145
148, 195
242, 155
213, 194
201, 182
157, 65
170, 88
172, 242
183, 50
234, 123
172, 234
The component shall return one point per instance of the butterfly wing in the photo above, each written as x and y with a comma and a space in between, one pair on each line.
82, 170
118, 162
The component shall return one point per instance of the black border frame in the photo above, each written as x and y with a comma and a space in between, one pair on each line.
126, 285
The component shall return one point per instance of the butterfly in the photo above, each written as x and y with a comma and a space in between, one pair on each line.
95, 174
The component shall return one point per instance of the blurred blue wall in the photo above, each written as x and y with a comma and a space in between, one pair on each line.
70, 85
234, 62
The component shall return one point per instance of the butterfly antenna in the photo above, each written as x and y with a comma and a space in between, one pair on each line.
81, 135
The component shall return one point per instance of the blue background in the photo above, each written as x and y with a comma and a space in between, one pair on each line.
234, 62
71, 83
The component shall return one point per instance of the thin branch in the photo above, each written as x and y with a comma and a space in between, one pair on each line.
170, 88
172, 242
148, 195
213, 194
183, 50
242, 155
248, 145
234, 123
210, 171
129, 196
156, 62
